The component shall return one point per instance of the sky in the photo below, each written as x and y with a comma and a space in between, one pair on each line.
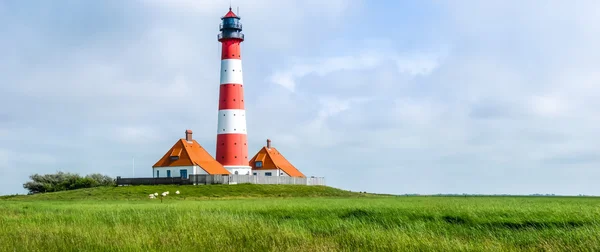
488, 97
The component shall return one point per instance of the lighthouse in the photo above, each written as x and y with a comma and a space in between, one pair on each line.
232, 144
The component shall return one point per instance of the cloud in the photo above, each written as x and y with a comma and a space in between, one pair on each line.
549, 106
133, 134
330, 107
269, 24
204, 7
325, 66
495, 106
333, 9
11, 159
450, 97
4, 159
418, 64
414, 64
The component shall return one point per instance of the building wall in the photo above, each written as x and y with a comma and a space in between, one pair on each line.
273, 173
175, 171
242, 170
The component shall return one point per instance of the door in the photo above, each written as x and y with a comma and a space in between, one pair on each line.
168, 173
184, 173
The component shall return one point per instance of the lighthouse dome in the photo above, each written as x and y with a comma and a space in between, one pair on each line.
230, 14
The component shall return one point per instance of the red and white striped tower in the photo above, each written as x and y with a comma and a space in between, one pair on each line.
232, 145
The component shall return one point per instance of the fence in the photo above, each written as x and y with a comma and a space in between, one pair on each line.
222, 179
241, 179
152, 181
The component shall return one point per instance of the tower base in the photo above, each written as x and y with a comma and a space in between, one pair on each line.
239, 170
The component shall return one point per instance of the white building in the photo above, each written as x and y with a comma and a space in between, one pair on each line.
187, 157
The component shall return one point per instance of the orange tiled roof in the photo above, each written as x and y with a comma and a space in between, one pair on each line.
191, 154
272, 159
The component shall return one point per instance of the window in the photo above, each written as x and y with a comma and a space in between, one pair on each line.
157, 173
236, 172
184, 173
258, 164
228, 21
176, 152
168, 173
254, 174
267, 174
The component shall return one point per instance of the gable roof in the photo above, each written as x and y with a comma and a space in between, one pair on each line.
272, 159
188, 154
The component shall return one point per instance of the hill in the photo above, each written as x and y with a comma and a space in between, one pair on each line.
191, 192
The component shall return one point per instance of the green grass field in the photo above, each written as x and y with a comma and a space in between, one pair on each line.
292, 218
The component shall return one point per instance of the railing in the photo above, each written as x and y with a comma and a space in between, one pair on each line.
274, 180
222, 179
152, 181
237, 35
232, 26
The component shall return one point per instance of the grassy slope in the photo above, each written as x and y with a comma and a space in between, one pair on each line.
308, 223
303, 224
191, 192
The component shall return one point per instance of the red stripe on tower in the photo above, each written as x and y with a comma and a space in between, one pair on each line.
232, 145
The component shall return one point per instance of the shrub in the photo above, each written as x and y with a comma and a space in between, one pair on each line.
102, 180
65, 181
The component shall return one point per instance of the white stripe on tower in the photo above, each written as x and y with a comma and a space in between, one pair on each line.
231, 71
232, 121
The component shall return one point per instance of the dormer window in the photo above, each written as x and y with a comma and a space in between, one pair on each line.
175, 154
258, 164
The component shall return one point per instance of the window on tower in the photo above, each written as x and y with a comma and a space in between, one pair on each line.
228, 21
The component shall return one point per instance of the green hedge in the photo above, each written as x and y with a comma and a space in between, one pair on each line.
65, 181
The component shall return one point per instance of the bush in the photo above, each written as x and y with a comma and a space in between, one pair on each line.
102, 180
65, 181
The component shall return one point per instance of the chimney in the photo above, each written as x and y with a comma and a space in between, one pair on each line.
188, 135
268, 143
